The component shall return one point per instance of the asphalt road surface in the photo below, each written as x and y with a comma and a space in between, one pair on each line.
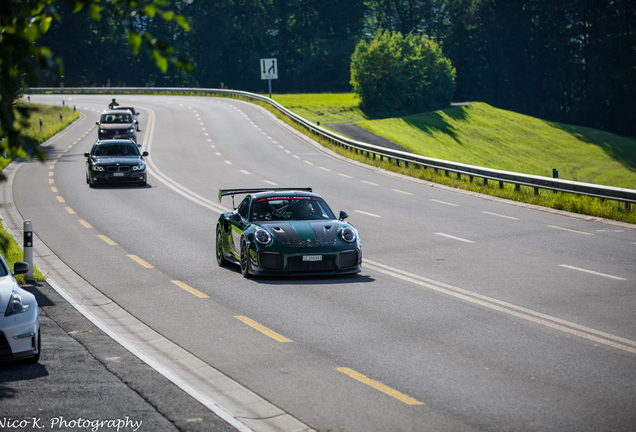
470, 314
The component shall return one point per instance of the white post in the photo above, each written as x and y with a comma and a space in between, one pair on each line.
28, 248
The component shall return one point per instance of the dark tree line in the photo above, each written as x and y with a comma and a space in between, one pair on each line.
571, 61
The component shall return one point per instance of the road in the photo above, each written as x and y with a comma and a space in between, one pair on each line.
470, 314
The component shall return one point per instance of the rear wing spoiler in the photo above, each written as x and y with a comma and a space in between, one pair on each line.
224, 192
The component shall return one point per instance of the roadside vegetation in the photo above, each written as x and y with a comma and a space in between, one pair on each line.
481, 135
50, 115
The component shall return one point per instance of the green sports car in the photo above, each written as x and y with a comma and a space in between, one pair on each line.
286, 232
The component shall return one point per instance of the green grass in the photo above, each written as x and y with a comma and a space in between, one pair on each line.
607, 209
482, 135
51, 120
328, 108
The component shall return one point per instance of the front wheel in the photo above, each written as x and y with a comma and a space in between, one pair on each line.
245, 259
220, 258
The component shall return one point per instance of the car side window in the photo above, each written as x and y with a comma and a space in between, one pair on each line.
244, 207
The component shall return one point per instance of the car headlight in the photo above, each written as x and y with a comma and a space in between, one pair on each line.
102, 131
348, 234
263, 237
98, 168
15, 305
131, 129
140, 167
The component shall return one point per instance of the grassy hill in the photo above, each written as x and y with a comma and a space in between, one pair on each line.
479, 134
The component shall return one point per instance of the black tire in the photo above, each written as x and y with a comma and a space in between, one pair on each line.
245, 259
220, 258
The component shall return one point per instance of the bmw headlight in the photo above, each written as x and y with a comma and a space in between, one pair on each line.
98, 168
263, 237
15, 305
140, 167
348, 234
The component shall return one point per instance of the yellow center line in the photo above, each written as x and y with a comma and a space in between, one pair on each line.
402, 192
189, 289
443, 202
495, 214
50, 173
140, 261
51, 181
344, 175
297, 157
379, 386
70, 210
86, 224
262, 329
54, 189
287, 151
574, 231
280, 146
307, 162
52, 167
325, 169
368, 182
107, 240
60, 199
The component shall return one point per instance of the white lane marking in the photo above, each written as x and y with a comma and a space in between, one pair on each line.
511, 309
245, 172
454, 238
592, 272
368, 214
270, 182
228, 162
218, 153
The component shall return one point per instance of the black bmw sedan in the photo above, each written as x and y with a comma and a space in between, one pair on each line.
115, 162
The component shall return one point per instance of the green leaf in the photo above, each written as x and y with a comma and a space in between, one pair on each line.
160, 60
167, 16
150, 10
135, 41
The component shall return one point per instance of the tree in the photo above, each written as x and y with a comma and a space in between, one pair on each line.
24, 22
396, 75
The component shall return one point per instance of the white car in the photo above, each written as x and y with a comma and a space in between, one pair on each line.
20, 318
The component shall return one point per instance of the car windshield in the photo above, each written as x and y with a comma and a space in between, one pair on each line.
120, 149
290, 208
116, 118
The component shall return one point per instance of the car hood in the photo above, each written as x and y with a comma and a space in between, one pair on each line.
304, 232
118, 160
115, 126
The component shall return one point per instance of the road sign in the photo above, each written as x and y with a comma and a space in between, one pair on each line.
269, 69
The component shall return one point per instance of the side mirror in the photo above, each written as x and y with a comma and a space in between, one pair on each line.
144, 154
343, 215
20, 267
97, 123
235, 217
87, 155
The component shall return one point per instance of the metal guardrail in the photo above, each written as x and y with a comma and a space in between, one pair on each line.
627, 196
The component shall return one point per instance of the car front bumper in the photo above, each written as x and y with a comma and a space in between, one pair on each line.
19, 334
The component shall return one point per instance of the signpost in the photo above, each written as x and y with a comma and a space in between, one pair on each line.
269, 71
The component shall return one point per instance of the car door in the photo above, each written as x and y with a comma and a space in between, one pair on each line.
238, 226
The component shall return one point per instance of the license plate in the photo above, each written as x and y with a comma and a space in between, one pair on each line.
312, 257
116, 136
118, 174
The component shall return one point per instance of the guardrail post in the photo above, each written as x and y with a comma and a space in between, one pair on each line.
501, 184
27, 229
41, 125
628, 206
61, 117
485, 182
536, 190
